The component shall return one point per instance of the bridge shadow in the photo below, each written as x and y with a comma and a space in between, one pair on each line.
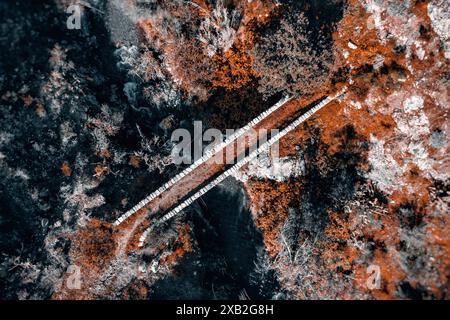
223, 263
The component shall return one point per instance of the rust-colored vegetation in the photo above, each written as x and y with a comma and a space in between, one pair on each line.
398, 231
92, 249
182, 245
66, 170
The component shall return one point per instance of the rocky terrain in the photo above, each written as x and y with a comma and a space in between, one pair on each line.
361, 189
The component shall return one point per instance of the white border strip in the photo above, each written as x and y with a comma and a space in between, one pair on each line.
208, 155
262, 149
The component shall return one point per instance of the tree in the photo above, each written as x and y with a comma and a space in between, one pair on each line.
291, 60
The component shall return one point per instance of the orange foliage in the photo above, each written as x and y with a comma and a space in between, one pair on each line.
92, 249
397, 73
182, 246
105, 153
272, 200
187, 63
190, 68
65, 168
27, 100
134, 161
100, 170
233, 69
95, 244
40, 110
